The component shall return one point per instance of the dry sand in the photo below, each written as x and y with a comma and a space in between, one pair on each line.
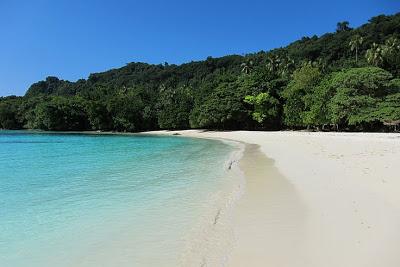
316, 199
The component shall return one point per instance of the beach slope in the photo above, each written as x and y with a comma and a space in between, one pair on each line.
316, 199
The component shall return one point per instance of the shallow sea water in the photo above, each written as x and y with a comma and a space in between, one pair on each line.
111, 200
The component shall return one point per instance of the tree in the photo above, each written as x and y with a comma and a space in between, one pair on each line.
287, 66
223, 109
266, 107
342, 26
174, 108
358, 92
61, 114
98, 115
273, 63
126, 112
355, 43
375, 55
303, 83
371, 81
393, 45
391, 55
51, 85
316, 110
389, 108
247, 66
9, 118
347, 108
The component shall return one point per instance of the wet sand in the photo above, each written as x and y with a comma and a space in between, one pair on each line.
269, 218
316, 199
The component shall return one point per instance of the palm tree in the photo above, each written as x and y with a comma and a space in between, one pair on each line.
247, 66
393, 42
286, 66
273, 63
355, 43
392, 46
342, 26
375, 55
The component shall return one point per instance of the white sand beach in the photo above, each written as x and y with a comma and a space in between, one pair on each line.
316, 199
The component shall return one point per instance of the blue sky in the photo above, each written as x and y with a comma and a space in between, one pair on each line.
73, 38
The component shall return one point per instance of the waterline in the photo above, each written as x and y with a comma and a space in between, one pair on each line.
85, 200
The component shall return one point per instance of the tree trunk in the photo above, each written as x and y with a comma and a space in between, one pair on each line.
356, 55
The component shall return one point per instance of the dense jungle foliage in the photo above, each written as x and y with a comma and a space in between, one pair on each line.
346, 80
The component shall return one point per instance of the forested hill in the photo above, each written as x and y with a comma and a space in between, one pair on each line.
346, 80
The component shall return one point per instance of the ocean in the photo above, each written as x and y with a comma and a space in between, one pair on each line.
114, 200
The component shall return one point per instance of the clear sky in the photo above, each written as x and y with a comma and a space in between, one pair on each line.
73, 38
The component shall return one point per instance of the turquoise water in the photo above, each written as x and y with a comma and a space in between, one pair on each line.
104, 200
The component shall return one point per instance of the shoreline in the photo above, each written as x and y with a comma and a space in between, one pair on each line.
315, 199
211, 240
252, 165
311, 199
153, 205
